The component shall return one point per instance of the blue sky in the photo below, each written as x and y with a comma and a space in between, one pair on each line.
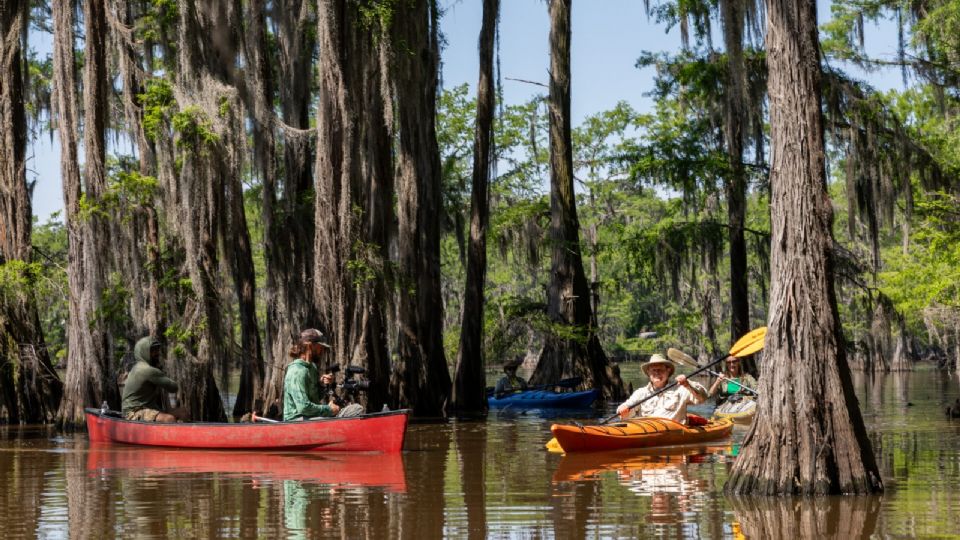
608, 36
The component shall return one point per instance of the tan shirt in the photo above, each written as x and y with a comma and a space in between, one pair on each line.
671, 404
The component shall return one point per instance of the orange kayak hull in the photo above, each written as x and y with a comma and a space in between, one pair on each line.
637, 433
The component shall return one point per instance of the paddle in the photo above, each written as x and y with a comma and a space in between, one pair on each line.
563, 383
745, 346
681, 357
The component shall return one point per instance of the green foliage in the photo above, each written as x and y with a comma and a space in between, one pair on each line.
180, 337
157, 100
51, 290
158, 19
17, 279
127, 191
193, 128
925, 281
377, 13
113, 308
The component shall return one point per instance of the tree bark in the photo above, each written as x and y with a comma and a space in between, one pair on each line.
354, 194
288, 210
808, 437
88, 379
422, 380
469, 393
732, 13
576, 349
29, 388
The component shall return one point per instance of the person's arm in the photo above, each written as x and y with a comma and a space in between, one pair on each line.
500, 388
632, 401
158, 378
716, 385
698, 391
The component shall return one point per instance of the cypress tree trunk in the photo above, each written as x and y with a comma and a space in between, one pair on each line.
808, 437
422, 380
353, 193
258, 94
288, 212
469, 388
577, 352
736, 183
88, 379
29, 387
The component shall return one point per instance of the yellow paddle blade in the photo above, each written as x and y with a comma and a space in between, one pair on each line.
750, 343
553, 445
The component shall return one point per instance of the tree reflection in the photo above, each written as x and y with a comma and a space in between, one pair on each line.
814, 517
471, 441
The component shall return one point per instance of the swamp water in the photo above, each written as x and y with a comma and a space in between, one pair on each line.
489, 479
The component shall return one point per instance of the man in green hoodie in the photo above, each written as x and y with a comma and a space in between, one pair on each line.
141, 391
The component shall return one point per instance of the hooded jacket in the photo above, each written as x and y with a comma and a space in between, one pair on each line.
144, 382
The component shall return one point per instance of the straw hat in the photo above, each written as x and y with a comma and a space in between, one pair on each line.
658, 360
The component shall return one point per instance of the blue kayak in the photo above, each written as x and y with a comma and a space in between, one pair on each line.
535, 399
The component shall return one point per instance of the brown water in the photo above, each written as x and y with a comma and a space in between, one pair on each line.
478, 480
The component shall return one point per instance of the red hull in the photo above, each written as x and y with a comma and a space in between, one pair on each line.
380, 432
334, 468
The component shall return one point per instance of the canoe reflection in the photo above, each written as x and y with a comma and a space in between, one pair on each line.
662, 474
385, 470
579, 466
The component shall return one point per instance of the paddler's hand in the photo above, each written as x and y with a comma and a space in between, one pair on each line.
623, 411
335, 409
326, 379
682, 381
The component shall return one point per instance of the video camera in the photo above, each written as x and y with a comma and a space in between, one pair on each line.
349, 387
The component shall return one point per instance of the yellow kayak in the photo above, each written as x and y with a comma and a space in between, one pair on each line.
740, 412
637, 433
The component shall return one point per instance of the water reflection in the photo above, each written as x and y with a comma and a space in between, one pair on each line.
479, 479
667, 486
812, 517
338, 469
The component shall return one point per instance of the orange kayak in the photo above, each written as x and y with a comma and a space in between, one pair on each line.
637, 433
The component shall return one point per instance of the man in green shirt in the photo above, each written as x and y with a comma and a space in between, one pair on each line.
142, 388
301, 384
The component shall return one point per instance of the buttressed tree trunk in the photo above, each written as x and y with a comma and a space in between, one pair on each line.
574, 349
808, 437
353, 192
288, 212
89, 379
29, 388
422, 380
469, 388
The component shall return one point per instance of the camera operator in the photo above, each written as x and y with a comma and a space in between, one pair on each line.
301, 390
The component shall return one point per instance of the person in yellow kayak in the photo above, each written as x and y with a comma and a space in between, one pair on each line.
734, 381
671, 404
510, 382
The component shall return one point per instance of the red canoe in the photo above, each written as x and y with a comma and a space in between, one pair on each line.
335, 468
378, 432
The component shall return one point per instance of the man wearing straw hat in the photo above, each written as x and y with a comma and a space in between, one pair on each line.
671, 404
